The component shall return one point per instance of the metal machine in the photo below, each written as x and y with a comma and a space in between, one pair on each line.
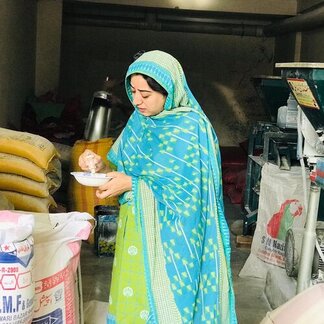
306, 83
268, 142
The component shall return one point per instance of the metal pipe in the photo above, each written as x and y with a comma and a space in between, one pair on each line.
203, 28
173, 21
309, 238
305, 21
222, 29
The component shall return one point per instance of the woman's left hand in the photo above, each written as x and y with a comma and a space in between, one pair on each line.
119, 184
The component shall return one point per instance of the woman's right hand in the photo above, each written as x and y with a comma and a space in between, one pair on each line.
92, 162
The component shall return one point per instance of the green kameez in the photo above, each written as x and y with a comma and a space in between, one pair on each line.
128, 298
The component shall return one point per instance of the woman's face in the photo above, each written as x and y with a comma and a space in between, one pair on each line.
147, 101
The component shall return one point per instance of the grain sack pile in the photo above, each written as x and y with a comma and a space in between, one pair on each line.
30, 170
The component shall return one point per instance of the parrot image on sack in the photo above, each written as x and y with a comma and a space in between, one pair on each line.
283, 220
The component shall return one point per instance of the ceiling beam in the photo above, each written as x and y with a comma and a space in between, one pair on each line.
262, 7
305, 21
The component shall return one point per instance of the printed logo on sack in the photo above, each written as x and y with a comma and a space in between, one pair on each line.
55, 317
283, 220
272, 247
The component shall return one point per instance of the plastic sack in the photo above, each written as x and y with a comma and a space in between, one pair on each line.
29, 203
20, 166
306, 307
281, 207
16, 265
5, 204
30, 146
57, 253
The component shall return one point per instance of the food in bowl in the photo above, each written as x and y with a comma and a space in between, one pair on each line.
91, 179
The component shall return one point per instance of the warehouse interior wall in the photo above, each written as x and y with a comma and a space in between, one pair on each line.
48, 45
287, 49
41, 53
312, 49
17, 58
304, 44
218, 69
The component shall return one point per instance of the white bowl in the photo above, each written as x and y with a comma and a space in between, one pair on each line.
91, 179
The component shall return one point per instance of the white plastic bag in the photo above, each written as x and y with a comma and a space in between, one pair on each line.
57, 251
281, 207
16, 265
306, 307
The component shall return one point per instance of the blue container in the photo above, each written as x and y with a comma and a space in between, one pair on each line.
106, 229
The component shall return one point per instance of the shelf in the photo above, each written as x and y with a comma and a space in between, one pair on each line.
257, 159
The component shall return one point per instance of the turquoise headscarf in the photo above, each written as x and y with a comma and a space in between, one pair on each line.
175, 165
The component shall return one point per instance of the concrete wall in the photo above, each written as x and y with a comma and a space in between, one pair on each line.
287, 49
312, 46
30, 39
48, 45
306, 4
311, 49
302, 46
17, 58
218, 69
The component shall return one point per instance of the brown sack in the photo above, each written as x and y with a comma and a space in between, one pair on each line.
5, 204
21, 184
29, 203
21, 166
30, 146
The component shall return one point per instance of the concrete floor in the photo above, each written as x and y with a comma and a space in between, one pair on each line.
251, 303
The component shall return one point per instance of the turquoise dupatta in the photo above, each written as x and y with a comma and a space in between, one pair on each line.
175, 165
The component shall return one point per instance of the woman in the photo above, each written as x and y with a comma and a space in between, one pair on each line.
172, 259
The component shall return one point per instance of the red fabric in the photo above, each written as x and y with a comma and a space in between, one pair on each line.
240, 180
231, 174
234, 161
234, 184
228, 187
233, 156
235, 196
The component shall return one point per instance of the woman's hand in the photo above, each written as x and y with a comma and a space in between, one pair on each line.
119, 184
90, 161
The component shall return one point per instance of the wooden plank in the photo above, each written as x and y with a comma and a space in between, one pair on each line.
244, 241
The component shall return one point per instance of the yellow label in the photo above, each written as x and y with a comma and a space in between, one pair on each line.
303, 93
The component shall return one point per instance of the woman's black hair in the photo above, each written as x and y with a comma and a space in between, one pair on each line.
154, 85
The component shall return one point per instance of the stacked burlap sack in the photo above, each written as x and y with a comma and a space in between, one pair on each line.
30, 171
